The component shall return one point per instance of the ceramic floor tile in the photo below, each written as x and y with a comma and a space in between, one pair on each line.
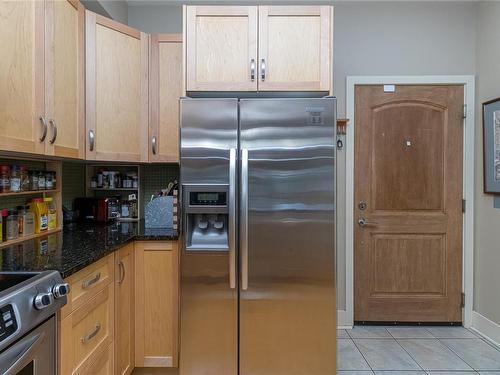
489, 372
452, 372
349, 357
383, 354
359, 332
431, 354
410, 333
476, 353
342, 334
354, 372
451, 333
399, 372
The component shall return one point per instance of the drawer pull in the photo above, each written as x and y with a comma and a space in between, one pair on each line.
91, 282
92, 334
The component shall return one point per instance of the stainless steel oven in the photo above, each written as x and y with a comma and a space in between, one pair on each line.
33, 354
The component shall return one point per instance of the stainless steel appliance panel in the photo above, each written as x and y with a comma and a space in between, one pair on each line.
287, 237
209, 304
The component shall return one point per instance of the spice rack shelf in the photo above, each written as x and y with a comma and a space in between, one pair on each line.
30, 237
30, 192
114, 189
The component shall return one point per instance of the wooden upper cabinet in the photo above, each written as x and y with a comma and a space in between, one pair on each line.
221, 48
289, 50
21, 76
295, 48
166, 87
64, 76
116, 90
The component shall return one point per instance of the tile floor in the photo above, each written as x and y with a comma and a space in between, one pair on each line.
414, 351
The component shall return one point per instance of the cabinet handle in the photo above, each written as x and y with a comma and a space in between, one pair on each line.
44, 129
92, 334
91, 282
263, 69
122, 272
91, 140
54, 131
153, 145
252, 70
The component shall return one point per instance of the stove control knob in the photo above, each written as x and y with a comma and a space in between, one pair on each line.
43, 300
60, 290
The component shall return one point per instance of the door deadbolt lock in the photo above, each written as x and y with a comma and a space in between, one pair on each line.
362, 205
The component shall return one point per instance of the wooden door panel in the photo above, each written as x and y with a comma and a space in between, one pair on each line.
21, 76
408, 161
408, 171
221, 42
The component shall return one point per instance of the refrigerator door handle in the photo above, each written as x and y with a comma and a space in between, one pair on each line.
232, 218
244, 219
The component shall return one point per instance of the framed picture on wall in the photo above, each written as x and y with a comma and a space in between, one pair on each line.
491, 146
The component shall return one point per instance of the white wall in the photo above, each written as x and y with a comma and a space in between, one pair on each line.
487, 231
371, 38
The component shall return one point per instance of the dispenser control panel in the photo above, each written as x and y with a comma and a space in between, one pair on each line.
207, 198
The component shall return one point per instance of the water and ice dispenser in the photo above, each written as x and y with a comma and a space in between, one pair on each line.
206, 214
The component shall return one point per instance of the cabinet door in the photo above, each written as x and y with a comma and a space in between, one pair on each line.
124, 310
116, 90
156, 301
295, 48
21, 77
221, 47
64, 78
165, 90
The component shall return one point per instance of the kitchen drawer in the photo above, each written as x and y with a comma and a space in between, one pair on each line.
85, 284
100, 364
86, 332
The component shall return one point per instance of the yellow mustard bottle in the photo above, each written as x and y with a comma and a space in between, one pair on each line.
52, 212
40, 211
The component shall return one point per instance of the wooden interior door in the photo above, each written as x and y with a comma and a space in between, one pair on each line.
221, 48
408, 203
166, 87
64, 77
295, 48
21, 76
116, 90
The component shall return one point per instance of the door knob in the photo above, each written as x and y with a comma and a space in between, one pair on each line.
362, 222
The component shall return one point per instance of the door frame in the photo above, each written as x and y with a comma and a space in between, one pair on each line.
346, 317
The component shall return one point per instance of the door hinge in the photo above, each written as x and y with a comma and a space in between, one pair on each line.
462, 301
464, 203
464, 115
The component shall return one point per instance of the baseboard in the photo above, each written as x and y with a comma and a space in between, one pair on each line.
486, 328
343, 321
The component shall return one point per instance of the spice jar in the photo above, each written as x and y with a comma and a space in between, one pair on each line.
28, 222
33, 177
25, 180
4, 213
20, 219
15, 179
4, 179
125, 212
93, 183
54, 179
49, 182
41, 180
12, 225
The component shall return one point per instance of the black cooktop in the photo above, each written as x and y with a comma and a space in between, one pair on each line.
8, 280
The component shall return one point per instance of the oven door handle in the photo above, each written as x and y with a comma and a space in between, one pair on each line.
21, 354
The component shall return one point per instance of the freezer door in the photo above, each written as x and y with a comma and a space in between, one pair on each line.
209, 304
287, 237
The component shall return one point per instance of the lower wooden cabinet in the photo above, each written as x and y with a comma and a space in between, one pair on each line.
156, 304
122, 312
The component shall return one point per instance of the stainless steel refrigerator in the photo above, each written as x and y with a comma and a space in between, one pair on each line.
258, 257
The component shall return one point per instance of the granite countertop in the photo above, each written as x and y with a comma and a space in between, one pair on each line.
77, 246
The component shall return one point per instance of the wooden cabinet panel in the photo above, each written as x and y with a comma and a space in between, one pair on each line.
87, 331
156, 301
221, 45
166, 82
64, 72
117, 90
124, 310
21, 76
102, 364
295, 44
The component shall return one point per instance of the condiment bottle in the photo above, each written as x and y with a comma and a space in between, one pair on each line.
33, 176
40, 211
12, 225
41, 180
4, 179
25, 180
52, 212
4, 214
20, 219
15, 179
28, 222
